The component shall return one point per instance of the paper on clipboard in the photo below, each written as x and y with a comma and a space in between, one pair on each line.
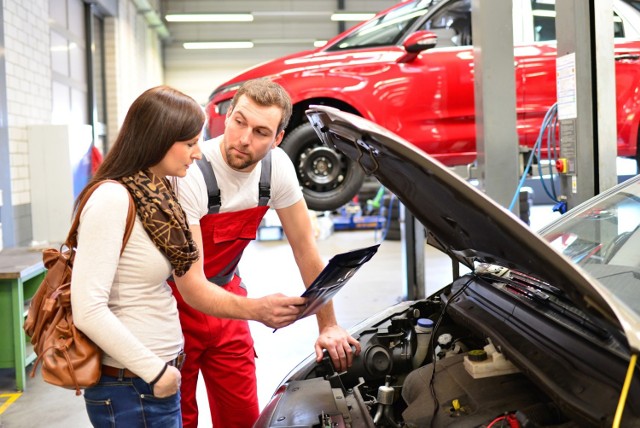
334, 276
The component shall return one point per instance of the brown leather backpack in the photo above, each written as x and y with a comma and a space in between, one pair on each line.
69, 358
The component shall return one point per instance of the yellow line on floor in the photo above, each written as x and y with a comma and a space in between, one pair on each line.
10, 399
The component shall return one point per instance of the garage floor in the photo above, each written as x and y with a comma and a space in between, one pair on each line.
267, 267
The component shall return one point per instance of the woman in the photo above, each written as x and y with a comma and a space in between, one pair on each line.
122, 302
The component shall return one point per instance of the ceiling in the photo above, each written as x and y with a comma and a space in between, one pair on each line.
279, 27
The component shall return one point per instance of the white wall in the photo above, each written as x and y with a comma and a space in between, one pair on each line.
199, 82
280, 27
28, 78
134, 63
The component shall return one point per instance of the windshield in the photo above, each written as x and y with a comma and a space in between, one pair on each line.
384, 30
603, 237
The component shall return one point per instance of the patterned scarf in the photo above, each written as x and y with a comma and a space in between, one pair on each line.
163, 218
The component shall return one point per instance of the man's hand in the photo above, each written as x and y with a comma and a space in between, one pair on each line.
168, 384
278, 310
338, 344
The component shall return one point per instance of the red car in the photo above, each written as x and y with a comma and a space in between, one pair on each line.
410, 69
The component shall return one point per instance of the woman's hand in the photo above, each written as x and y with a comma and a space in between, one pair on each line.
168, 384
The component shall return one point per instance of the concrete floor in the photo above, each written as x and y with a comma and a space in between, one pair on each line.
267, 267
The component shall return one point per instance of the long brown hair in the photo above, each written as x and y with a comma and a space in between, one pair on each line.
158, 118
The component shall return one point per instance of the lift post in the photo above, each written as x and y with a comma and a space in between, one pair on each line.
586, 98
495, 99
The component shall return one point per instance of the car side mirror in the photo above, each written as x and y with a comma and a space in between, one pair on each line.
416, 43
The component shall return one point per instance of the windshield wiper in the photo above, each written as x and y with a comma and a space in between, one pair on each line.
496, 271
557, 306
542, 293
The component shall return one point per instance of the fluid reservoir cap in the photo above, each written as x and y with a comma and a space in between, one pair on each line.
424, 324
445, 339
477, 355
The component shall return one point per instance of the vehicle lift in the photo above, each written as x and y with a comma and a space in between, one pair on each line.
587, 122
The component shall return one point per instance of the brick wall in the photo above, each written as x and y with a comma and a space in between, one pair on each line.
28, 78
133, 64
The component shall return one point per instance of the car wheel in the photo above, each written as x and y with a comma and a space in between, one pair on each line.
328, 178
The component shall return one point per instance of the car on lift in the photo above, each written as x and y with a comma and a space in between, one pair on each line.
410, 69
537, 330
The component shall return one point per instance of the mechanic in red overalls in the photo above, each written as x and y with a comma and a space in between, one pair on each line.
241, 175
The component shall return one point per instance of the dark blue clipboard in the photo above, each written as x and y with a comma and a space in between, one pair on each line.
334, 276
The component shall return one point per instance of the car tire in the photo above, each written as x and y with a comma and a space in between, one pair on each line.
328, 178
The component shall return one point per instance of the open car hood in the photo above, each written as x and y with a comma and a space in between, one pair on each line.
465, 222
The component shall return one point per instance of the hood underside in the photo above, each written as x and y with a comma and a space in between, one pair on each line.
464, 222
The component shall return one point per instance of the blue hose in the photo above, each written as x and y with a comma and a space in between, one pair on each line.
549, 124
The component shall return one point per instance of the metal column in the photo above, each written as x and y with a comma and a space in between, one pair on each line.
586, 111
414, 241
495, 99
496, 136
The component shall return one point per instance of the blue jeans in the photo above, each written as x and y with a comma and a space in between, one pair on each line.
129, 403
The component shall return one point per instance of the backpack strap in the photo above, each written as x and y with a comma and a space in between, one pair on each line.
213, 190
131, 221
72, 237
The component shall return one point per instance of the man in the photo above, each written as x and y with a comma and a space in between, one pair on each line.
252, 174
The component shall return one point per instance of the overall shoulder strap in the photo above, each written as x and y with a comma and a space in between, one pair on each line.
264, 187
213, 190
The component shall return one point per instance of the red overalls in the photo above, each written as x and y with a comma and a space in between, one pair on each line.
222, 348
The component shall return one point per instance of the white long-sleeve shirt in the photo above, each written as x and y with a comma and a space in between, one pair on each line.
123, 303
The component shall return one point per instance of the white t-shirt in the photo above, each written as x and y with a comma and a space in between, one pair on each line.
123, 303
238, 190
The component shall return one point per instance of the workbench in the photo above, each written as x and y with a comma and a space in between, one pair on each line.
21, 272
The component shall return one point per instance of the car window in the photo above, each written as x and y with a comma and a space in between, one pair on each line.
544, 21
633, 3
385, 30
605, 233
452, 24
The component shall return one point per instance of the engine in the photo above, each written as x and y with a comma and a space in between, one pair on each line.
392, 382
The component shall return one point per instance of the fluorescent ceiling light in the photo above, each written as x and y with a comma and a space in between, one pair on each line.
352, 16
210, 17
290, 13
218, 45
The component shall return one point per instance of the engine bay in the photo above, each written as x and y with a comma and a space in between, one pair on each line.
429, 363
391, 387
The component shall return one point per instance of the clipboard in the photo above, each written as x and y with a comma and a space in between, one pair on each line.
334, 276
